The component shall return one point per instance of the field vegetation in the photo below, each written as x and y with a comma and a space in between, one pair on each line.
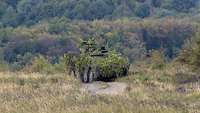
172, 89
161, 39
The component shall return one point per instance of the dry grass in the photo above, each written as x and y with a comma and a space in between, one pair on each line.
149, 91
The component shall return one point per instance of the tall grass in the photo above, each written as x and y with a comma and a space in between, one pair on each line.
149, 91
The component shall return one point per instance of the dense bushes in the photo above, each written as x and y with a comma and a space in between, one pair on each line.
191, 53
156, 3
143, 11
184, 5
168, 34
19, 46
157, 59
43, 65
52, 28
56, 37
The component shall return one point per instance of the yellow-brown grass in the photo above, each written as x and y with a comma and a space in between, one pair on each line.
149, 91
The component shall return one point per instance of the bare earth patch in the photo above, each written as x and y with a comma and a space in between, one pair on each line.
103, 88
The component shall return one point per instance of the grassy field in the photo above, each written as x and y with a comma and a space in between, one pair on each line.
174, 89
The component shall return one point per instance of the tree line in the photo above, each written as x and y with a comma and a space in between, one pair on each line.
30, 12
56, 37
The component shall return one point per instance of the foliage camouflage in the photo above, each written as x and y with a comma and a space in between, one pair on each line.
97, 63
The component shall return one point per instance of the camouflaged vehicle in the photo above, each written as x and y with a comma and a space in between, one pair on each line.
97, 63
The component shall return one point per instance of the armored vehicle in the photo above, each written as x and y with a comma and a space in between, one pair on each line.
97, 63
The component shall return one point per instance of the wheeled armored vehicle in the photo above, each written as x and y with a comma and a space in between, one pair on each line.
97, 63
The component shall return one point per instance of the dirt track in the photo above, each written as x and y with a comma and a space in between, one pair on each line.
103, 88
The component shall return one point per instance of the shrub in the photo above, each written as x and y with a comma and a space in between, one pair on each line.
191, 53
40, 64
195, 58
3, 66
62, 65
43, 65
58, 26
157, 59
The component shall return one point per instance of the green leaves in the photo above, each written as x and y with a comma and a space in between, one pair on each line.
143, 10
191, 53
108, 65
30, 12
184, 5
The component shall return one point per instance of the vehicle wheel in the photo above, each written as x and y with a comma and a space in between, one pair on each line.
91, 76
85, 76
74, 73
117, 74
125, 72
77, 74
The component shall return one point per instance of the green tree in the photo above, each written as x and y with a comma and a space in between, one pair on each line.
156, 3
157, 59
99, 9
12, 3
191, 52
195, 55
143, 10
10, 17
28, 11
3, 7
183, 5
122, 11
